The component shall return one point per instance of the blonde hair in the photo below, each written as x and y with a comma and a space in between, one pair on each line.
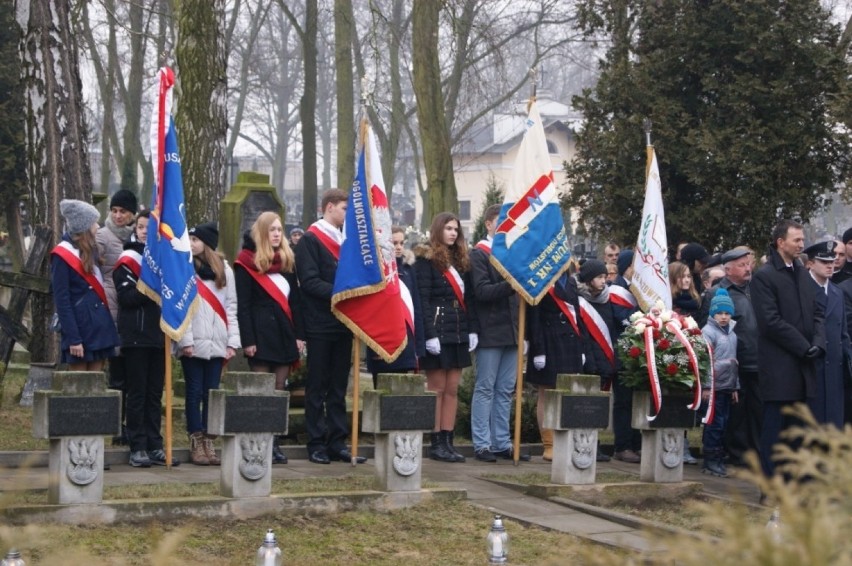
264, 253
677, 270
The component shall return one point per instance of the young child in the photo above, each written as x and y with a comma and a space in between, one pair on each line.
88, 332
719, 333
143, 347
212, 338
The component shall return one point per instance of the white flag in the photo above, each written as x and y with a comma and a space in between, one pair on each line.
650, 281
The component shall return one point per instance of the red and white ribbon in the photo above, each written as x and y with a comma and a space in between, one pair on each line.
711, 403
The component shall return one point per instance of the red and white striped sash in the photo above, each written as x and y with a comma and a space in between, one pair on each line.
71, 255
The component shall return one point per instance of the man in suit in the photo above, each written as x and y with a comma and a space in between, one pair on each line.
791, 337
827, 404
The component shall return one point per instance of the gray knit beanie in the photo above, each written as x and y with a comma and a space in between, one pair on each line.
79, 216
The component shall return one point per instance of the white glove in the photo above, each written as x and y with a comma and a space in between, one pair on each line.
538, 362
526, 346
473, 340
433, 346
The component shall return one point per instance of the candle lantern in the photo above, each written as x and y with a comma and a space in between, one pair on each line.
498, 542
269, 554
13, 558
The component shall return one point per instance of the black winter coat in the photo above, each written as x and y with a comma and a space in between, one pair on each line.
495, 303
789, 322
316, 268
443, 317
262, 321
138, 315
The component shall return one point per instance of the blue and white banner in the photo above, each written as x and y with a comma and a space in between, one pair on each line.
530, 248
167, 274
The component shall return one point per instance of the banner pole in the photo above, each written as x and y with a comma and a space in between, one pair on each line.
519, 381
168, 391
356, 386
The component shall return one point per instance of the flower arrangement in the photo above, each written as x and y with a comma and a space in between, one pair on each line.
675, 365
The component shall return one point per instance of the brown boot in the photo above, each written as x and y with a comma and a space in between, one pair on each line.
547, 443
197, 454
210, 450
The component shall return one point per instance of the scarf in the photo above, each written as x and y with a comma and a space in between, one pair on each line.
121, 232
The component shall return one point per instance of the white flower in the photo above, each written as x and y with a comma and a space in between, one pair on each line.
668, 358
640, 328
636, 316
666, 316
690, 323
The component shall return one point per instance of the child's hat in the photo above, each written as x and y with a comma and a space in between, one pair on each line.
721, 303
207, 233
79, 216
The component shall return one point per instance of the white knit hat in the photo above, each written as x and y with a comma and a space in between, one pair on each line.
79, 216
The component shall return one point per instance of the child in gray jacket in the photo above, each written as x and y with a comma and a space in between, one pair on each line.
719, 333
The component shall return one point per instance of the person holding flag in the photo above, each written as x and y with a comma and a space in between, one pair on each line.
329, 342
268, 303
443, 278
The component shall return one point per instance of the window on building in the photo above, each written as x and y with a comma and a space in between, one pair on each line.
464, 209
551, 147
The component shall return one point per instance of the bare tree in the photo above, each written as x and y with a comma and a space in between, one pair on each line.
344, 30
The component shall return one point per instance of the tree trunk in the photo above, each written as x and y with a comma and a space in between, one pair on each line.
201, 109
57, 164
307, 115
434, 133
344, 23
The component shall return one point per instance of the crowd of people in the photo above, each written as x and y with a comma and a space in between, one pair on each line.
779, 332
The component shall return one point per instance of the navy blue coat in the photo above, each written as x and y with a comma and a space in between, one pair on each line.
827, 404
85, 319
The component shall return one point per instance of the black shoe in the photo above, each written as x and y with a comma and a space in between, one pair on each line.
138, 459
508, 455
438, 450
278, 457
158, 458
345, 456
485, 455
601, 457
319, 457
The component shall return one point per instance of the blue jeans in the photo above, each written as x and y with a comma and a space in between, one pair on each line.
714, 433
492, 397
201, 376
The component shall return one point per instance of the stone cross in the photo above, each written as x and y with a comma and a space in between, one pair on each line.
575, 410
398, 413
247, 412
75, 415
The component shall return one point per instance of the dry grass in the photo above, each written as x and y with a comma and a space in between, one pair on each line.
432, 533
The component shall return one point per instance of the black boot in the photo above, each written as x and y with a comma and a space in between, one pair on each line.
278, 457
714, 465
438, 450
448, 435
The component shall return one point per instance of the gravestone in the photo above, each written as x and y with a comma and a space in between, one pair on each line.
575, 410
247, 198
39, 377
398, 413
662, 438
75, 415
247, 412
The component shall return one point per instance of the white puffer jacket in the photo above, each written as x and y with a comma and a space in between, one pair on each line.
207, 333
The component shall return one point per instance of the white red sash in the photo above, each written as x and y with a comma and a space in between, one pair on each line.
597, 329
622, 297
132, 260
408, 313
327, 241
212, 299
567, 309
275, 286
484, 245
71, 255
454, 279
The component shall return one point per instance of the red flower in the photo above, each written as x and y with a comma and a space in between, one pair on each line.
663, 345
634, 352
672, 369
656, 334
695, 331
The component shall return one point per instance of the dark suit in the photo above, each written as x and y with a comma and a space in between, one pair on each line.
789, 322
827, 404
846, 287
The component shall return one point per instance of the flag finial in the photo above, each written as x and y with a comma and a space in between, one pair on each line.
647, 125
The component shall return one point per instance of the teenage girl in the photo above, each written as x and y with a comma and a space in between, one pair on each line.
213, 337
442, 278
267, 297
88, 334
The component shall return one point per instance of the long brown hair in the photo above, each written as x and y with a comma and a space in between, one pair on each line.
443, 256
676, 272
264, 253
216, 261
85, 242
